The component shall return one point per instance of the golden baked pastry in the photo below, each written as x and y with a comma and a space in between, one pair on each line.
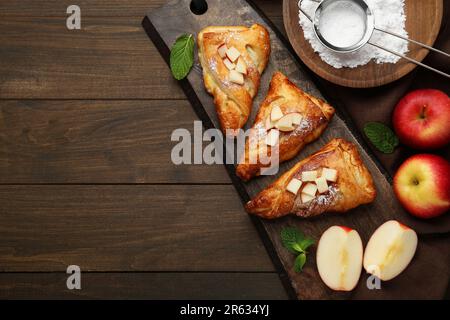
233, 59
313, 116
353, 185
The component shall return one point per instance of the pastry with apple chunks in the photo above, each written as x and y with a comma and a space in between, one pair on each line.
289, 118
233, 59
334, 179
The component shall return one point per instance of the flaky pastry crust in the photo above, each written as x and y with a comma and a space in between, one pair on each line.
316, 115
354, 185
233, 101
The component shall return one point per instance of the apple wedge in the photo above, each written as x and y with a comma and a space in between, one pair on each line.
233, 54
269, 123
241, 66
236, 77
322, 185
296, 118
230, 65
276, 114
306, 198
390, 250
310, 189
285, 124
272, 137
329, 174
293, 186
222, 50
309, 175
339, 258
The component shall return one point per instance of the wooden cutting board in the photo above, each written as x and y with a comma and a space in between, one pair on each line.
163, 26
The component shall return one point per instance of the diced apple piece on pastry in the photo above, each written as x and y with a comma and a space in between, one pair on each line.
272, 137
306, 198
276, 114
293, 186
285, 124
222, 50
322, 185
309, 175
296, 118
339, 258
310, 189
236, 77
230, 65
269, 124
329, 174
241, 66
233, 54
390, 250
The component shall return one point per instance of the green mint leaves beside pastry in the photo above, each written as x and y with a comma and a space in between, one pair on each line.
296, 242
381, 136
182, 56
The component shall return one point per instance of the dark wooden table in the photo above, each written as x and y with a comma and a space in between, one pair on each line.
85, 171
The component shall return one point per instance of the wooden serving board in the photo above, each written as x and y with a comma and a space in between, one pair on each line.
163, 26
423, 21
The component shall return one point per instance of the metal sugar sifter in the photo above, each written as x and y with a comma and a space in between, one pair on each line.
369, 28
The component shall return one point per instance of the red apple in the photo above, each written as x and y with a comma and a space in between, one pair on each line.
422, 184
422, 119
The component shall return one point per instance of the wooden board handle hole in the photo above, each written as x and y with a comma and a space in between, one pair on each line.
198, 7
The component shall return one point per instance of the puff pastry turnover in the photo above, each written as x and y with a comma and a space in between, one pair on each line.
313, 116
233, 101
353, 186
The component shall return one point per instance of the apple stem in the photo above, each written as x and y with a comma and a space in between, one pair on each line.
422, 111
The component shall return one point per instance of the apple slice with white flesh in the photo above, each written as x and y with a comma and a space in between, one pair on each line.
222, 50
296, 118
241, 66
233, 54
293, 186
329, 174
309, 175
236, 77
310, 189
269, 123
306, 198
339, 258
230, 65
285, 124
272, 137
276, 114
390, 250
322, 185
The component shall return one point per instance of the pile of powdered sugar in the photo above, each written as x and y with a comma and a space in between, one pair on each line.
389, 15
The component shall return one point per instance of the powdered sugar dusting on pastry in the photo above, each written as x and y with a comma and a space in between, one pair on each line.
304, 127
318, 205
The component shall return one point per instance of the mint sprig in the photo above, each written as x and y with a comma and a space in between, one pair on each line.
299, 262
381, 136
182, 56
296, 242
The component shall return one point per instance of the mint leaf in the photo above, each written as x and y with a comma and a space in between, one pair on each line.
306, 243
291, 238
299, 262
296, 242
182, 56
381, 136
